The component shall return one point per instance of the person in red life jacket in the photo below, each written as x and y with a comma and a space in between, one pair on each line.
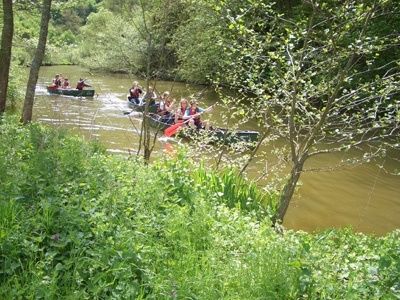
57, 81
135, 92
81, 84
65, 84
193, 113
180, 112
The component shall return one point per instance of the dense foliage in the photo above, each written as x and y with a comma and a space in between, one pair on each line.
77, 223
322, 78
67, 18
191, 40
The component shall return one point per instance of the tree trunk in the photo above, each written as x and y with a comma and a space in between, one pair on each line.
288, 190
146, 139
5, 51
36, 63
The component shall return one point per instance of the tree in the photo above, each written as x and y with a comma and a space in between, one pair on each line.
143, 46
146, 33
5, 51
36, 63
116, 43
195, 42
317, 80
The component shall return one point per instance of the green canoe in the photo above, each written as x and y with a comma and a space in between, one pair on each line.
70, 92
214, 135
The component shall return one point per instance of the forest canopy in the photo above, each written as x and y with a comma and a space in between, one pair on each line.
192, 41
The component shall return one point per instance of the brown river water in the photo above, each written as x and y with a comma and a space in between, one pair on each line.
365, 197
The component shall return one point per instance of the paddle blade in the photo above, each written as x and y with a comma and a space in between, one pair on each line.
171, 130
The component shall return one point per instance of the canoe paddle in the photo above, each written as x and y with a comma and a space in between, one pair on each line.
171, 130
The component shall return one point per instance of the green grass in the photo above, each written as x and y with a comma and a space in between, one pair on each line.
76, 223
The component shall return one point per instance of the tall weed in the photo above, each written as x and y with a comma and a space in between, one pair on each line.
76, 223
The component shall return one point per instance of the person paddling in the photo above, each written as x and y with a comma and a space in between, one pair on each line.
173, 129
180, 112
65, 84
166, 104
135, 92
165, 108
150, 96
57, 81
193, 113
81, 84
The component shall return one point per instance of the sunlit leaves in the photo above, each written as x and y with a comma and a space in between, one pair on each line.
304, 62
93, 225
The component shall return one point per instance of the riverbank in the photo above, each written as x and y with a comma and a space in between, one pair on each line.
77, 222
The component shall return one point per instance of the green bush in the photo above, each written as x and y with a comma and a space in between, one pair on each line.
14, 93
80, 224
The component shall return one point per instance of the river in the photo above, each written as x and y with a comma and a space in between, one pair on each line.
364, 197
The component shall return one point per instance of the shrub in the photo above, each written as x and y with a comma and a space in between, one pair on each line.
78, 223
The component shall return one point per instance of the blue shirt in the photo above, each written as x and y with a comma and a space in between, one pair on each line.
187, 112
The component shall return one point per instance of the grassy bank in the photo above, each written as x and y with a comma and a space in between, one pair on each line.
77, 223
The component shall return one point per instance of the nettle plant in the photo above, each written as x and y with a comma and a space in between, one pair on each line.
324, 78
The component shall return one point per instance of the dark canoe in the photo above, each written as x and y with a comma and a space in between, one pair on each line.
70, 92
140, 107
221, 135
229, 137
214, 135
157, 121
